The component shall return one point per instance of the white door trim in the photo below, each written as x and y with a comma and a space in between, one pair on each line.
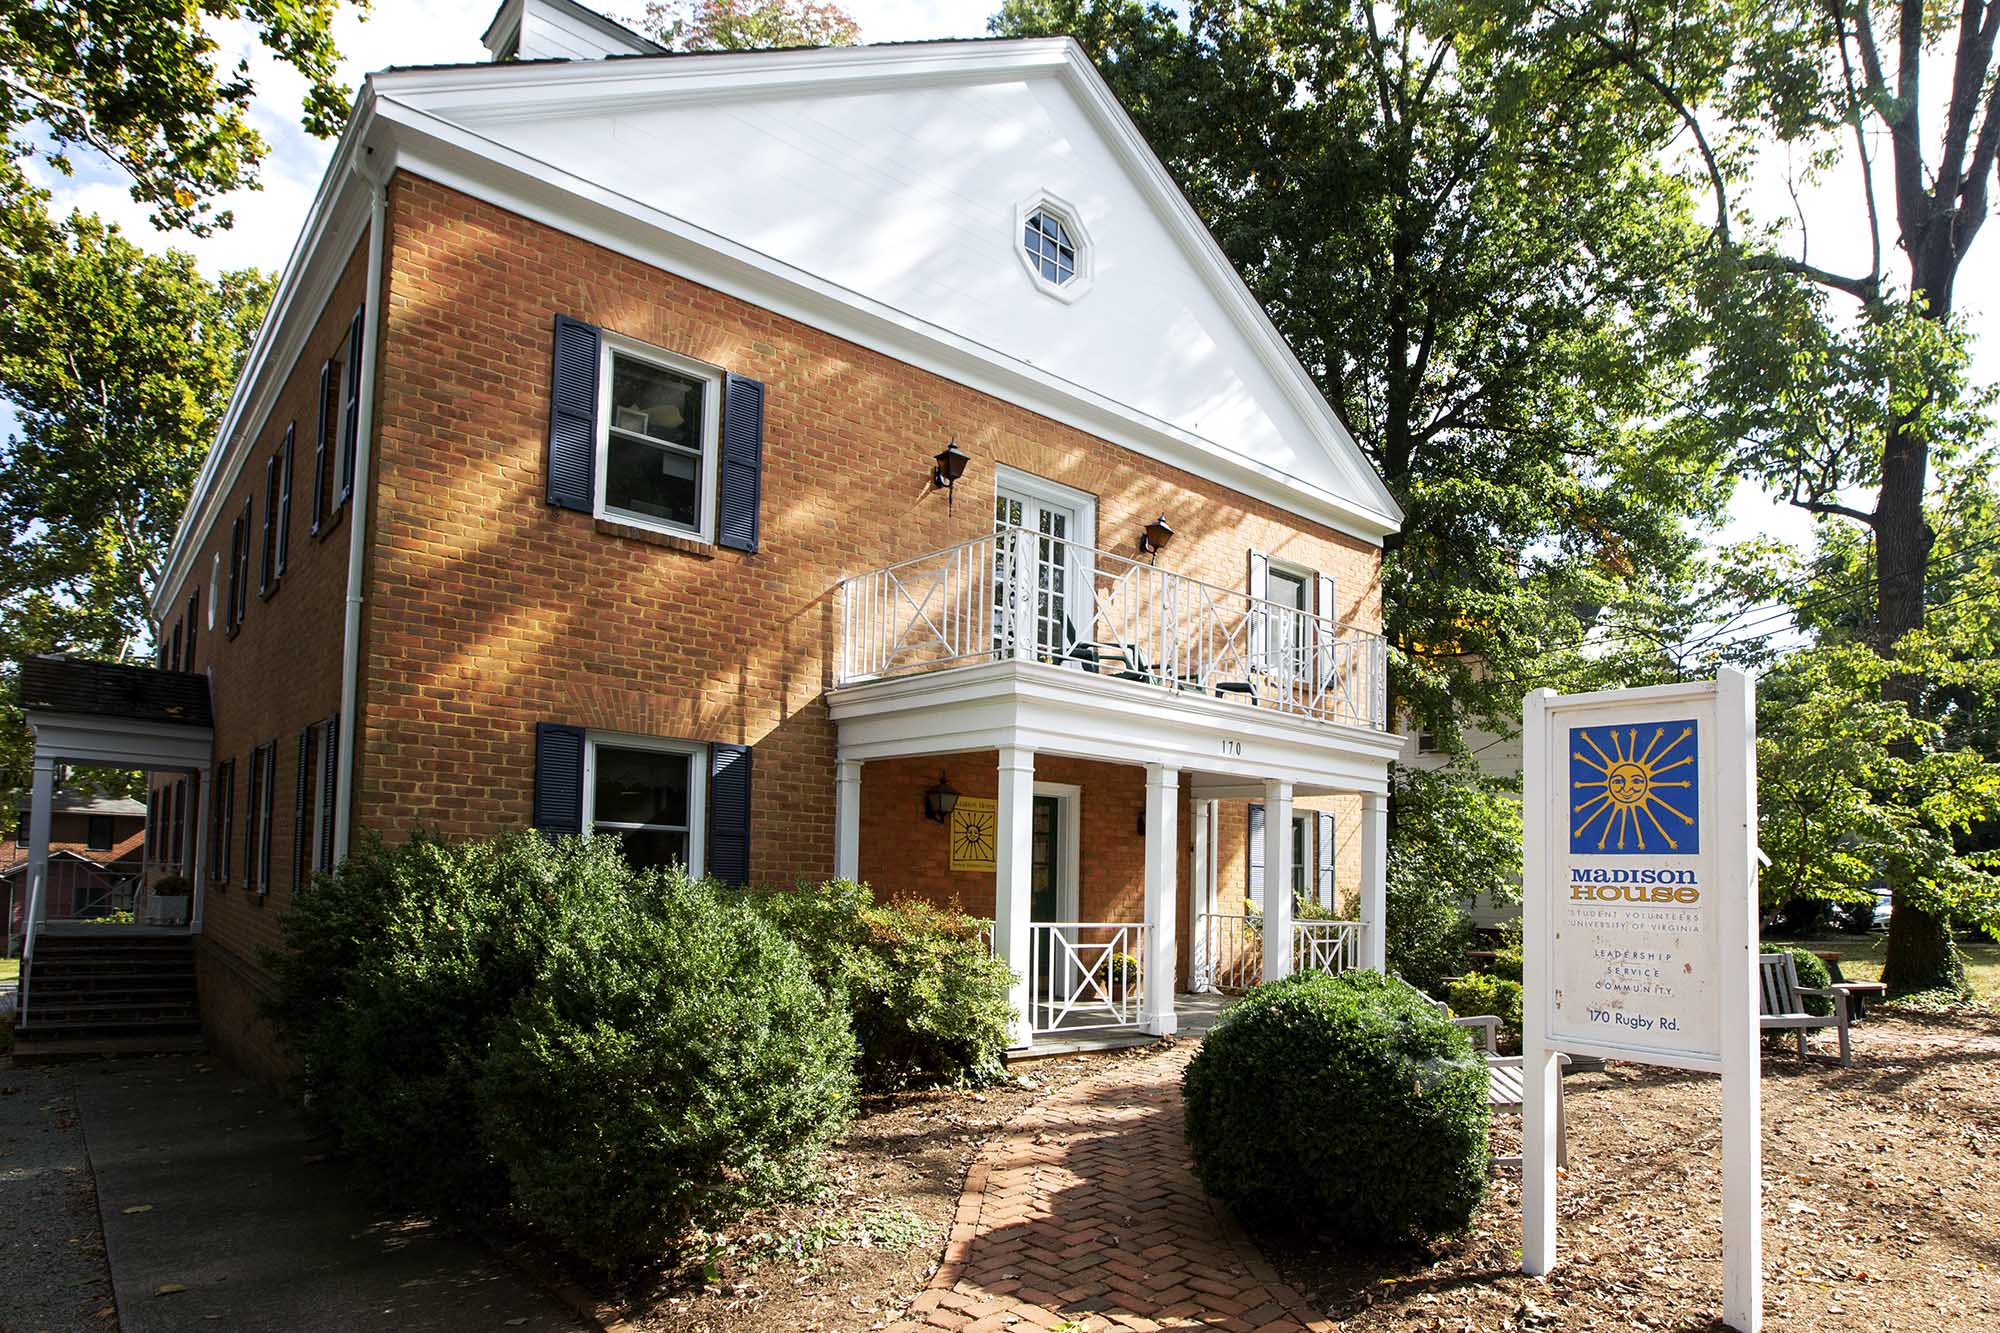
1069, 827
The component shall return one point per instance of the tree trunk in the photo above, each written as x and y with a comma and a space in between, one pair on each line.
1921, 953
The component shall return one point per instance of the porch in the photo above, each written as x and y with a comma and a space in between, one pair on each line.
1089, 693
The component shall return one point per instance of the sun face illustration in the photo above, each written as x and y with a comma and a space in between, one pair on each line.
1627, 795
972, 836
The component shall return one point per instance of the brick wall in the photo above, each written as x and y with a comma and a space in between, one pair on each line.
489, 611
278, 672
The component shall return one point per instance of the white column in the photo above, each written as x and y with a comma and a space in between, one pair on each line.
1278, 853
1198, 893
1375, 882
1540, 1072
1013, 863
847, 819
1163, 791
41, 801
197, 842
1742, 1127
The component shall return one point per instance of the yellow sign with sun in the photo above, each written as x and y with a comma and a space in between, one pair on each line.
1630, 800
973, 837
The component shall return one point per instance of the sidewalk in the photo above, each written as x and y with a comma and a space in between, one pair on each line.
219, 1212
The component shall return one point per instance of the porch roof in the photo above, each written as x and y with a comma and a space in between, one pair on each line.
55, 683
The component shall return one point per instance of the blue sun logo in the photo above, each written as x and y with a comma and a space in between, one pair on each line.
1634, 789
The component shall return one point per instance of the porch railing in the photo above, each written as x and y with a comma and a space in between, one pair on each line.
1232, 955
1085, 976
1025, 595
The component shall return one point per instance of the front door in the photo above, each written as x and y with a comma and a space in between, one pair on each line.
1045, 861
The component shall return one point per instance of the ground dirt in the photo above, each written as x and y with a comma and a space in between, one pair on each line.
1881, 1203
855, 1258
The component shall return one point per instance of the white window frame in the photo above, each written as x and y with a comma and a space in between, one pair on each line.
214, 582
1072, 219
697, 757
614, 344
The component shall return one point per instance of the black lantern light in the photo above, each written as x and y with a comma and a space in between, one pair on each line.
1156, 536
947, 468
940, 801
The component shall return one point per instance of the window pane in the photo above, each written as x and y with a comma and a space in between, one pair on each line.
652, 482
650, 400
1288, 590
654, 847
641, 787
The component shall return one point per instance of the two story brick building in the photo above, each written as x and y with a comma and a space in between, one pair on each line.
797, 463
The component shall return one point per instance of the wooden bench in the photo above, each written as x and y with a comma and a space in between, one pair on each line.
1781, 1003
1505, 1080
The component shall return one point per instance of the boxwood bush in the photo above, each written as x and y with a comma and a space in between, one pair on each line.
674, 1064
668, 1030
1342, 1102
1480, 993
928, 999
1813, 975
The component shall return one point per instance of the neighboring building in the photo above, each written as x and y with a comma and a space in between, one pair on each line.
583, 475
96, 857
1494, 755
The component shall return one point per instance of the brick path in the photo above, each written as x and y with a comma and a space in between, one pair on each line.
1085, 1216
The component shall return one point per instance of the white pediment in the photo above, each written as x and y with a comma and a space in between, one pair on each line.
898, 178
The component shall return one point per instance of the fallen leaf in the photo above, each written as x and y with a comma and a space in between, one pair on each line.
139, 1208
168, 1288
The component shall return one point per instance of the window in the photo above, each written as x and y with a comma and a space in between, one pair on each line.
98, 834
324, 435
302, 844
222, 825
174, 657
193, 616
257, 819
1290, 589
350, 410
239, 570
329, 781
214, 581
285, 499
651, 795
267, 551
1301, 857
1427, 743
657, 442
1049, 247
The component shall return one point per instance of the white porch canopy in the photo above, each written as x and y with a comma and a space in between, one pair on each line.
1222, 748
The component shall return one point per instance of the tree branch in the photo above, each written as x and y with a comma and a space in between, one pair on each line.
1836, 510
1867, 289
1629, 57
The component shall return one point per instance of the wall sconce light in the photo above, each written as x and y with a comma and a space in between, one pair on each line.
940, 801
947, 468
1155, 538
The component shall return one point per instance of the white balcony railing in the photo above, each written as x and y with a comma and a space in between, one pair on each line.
1230, 953
1023, 595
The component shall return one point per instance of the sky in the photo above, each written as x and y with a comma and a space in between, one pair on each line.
439, 31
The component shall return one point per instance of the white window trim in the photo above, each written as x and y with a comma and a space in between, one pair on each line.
697, 755
1081, 504
610, 343
214, 582
1086, 253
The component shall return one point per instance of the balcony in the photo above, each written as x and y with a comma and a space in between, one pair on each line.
1021, 596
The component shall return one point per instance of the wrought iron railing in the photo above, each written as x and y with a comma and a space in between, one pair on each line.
1084, 976
1024, 595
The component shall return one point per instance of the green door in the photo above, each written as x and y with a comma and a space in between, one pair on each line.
1045, 859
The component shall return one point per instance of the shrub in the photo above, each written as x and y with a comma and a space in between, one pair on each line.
1343, 1102
1480, 993
1507, 962
1427, 926
1453, 836
928, 1001
1813, 975
396, 971
675, 1063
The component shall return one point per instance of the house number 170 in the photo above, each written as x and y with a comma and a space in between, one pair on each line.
1232, 747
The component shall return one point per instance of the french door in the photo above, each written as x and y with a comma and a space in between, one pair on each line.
1040, 572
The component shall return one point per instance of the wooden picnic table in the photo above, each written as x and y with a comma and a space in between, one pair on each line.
1859, 993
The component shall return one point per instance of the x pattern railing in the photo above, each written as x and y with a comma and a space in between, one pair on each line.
1020, 594
1231, 959
1085, 975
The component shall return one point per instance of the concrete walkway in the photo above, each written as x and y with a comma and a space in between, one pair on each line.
1085, 1215
219, 1212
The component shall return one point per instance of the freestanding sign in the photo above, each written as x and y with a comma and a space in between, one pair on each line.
1640, 907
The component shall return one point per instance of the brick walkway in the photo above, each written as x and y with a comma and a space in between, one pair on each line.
1085, 1216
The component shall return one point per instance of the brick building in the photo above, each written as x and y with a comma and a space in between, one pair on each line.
799, 463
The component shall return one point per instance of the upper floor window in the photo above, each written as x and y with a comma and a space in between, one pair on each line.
98, 833
1053, 247
657, 439
1049, 247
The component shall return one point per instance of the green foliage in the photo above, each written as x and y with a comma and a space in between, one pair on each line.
1345, 1103
1453, 834
524, 1023
1812, 973
1507, 962
928, 999
117, 363
674, 1064
1488, 276
144, 85
749, 25
1479, 993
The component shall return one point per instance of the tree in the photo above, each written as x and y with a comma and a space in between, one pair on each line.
1454, 835
1862, 372
118, 363
138, 83
1478, 262
749, 25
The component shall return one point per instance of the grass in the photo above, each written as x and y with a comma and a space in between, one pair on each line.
10, 969
1861, 959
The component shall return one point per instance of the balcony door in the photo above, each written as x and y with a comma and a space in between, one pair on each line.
1042, 564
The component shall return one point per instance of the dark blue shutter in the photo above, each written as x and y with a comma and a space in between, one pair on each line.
1323, 849
285, 501
319, 447
742, 465
300, 808
729, 813
558, 807
329, 789
350, 431
1254, 855
573, 416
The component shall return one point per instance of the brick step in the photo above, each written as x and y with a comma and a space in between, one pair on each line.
90, 1009
139, 991
94, 967
65, 950
55, 1051
40, 1029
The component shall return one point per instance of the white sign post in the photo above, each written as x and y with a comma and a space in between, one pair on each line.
1640, 907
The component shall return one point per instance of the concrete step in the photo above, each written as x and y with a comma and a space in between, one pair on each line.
135, 993
43, 1010
54, 1051
39, 1029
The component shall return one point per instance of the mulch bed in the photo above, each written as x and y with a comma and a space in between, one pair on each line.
854, 1259
1881, 1203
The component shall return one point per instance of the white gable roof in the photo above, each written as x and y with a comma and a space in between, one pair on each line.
888, 184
